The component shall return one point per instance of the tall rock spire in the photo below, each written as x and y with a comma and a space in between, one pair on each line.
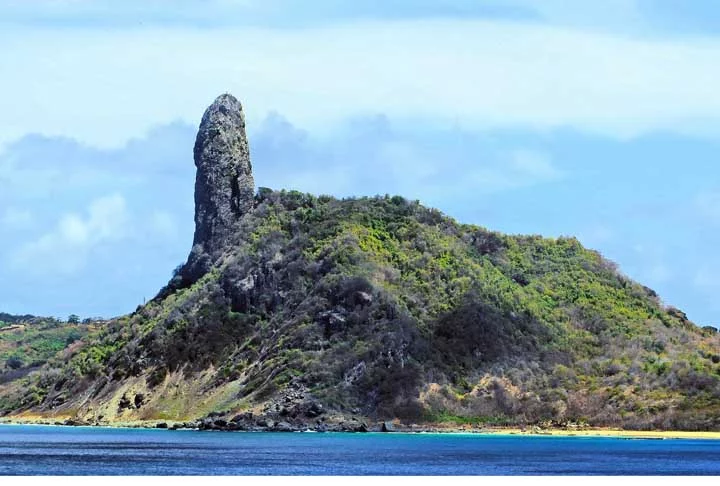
224, 186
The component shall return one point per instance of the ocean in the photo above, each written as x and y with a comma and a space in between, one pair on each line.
49, 450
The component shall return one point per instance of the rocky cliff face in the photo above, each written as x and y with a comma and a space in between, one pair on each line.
224, 186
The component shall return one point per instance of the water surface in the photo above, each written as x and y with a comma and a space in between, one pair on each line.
48, 450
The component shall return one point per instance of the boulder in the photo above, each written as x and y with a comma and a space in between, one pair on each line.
313, 409
242, 417
283, 427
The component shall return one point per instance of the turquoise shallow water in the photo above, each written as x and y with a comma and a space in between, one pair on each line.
41, 450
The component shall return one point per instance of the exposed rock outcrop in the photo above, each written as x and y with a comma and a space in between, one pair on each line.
224, 185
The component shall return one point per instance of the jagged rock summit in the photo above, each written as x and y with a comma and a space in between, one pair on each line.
224, 185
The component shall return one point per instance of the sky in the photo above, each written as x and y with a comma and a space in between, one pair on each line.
599, 120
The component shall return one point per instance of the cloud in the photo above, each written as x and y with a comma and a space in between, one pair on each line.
374, 156
534, 164
510, 170
106, 86
36, 167
117, 219
67, 247
645, 16
17, 219
267, 13
608, 14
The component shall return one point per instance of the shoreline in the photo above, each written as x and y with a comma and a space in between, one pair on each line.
597, 432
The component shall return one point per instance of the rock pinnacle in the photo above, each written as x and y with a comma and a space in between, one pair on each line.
224, 186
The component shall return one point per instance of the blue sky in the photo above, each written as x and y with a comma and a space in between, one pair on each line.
556, 117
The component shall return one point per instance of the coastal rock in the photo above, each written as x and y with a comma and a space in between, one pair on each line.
206, 424
283, 427
74, 423
243, 417
313, 409
224, 185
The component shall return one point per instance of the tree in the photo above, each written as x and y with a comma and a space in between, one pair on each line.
73, 319
73, 336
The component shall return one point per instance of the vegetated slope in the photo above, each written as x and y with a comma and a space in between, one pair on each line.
28, 342
385, 308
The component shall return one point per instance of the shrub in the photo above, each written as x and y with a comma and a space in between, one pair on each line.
14, 363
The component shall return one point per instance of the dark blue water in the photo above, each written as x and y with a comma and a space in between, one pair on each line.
33, 450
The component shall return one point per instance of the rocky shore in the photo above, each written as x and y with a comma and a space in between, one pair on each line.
247, 422
244, 422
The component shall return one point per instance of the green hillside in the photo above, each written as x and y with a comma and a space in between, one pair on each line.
382, 308
28, 342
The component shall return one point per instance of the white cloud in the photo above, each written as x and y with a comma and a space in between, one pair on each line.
104, 86
66, 247
516, 169
16, 219
374, 156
